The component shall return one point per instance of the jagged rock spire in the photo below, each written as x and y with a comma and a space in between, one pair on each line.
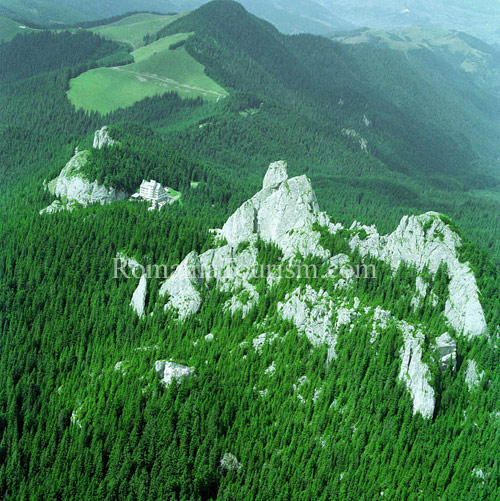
276, 174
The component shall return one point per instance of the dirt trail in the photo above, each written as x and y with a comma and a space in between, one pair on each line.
169, 81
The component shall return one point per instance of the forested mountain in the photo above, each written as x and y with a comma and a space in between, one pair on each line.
209, 382
477, 59
479, 18
322, 17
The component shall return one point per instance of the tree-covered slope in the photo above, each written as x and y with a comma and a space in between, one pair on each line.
477, 59
268, 411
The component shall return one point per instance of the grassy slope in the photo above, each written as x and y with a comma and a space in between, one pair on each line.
156, 70
9, 29
133, 29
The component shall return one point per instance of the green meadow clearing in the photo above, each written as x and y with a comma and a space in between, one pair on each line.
133, 29
156, 70
9, 29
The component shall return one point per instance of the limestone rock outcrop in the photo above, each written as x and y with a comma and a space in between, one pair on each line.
414, 373
58, 206
73, 187
229, 462
168, 371
283, 213
72, 184
183, 286
447, 351
428, 241
473, 376
312, 313
139, 298
275, 175
102, 138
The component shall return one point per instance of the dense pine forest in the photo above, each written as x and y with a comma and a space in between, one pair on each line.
83, 415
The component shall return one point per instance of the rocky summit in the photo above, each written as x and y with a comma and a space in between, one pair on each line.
285, 213
73, 188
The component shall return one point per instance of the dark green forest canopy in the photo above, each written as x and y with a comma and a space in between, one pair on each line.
71, 426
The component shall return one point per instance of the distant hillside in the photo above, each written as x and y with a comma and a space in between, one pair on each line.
480, 61
9, 29
291, 16
43, 11
323, 17
134, 28
480, 18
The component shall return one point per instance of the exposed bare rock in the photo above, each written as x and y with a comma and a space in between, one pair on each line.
287, 217
447, 351
58, 206
232, 270
73, 187
72, 184
139, 298
276, 174
381, 320
282, 213
270, 370
414, 373
427, 241
183, 286
168, 371
473, 376
102, 138
229, 462
263, 339
312, 313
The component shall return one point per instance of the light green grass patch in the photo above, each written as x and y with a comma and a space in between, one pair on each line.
9, 29
156, 70
133, 29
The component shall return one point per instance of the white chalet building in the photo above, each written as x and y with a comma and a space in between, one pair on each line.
154, 191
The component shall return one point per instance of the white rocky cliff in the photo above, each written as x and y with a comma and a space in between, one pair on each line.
312, 314
428, 241
414, 373
139, 298
72, 187
183, 287
285, 213
102, 138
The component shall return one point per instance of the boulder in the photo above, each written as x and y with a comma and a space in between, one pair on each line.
168, 371
229, 462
